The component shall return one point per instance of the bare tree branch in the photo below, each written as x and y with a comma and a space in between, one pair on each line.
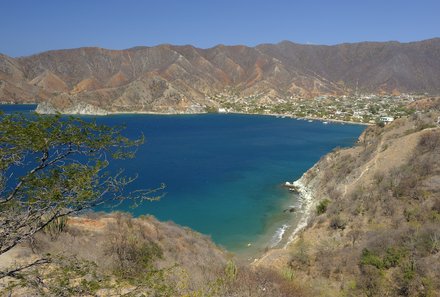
13, 272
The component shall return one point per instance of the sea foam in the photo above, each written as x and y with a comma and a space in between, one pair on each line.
278, 236
306, 201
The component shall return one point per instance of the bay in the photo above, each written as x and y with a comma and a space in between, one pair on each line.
224, 171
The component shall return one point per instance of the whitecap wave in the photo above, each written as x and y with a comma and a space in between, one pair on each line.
278, 236
306, 199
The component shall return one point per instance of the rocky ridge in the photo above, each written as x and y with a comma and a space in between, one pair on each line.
181, 79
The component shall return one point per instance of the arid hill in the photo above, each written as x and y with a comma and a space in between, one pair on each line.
374, 228
116, 255
168, 78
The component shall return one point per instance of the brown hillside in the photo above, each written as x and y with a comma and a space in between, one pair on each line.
375, 221
274, 70
116, 255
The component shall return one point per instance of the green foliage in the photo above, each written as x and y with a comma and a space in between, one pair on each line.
409, 270
63, 162
288, 273
63, 165
211, 109
231, 270
370, 258
56, 227
322, 206
380, 124
393, 257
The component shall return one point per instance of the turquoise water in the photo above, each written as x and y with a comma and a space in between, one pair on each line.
224, 172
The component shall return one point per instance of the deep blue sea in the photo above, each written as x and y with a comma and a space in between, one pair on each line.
223, 172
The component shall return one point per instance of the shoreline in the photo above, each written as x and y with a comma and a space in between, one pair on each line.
288, 231
240, 113
109, 113
306, 199
302, 118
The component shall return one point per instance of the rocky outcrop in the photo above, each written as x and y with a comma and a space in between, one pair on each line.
85, 109
46, 108
77, 109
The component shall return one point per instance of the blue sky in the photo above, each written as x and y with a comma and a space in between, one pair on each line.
31, 26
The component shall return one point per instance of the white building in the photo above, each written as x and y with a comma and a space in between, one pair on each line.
386, 120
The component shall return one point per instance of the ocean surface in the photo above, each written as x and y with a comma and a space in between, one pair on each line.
224, 172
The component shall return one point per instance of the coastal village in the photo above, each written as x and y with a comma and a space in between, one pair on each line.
368, 109
364, 109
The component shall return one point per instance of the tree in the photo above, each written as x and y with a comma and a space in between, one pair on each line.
51, 167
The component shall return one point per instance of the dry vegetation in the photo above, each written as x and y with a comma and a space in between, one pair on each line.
376, 227
113, 255
375, 231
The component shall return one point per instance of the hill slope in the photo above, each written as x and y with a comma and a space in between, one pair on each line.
116, 255
170, 78
375, 220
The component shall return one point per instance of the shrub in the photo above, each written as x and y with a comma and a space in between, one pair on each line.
370, 258
133, 252
56, 227
288, 273
300, 255
231, 270
338, 223
436, 205
429, 141
393, 257
322, 206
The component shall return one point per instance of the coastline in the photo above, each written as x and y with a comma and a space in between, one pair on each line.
244, 113
306, 198
287, 231
304, 118
240, 113
107, 113
283, 234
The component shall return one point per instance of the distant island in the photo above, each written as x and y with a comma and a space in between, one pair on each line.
357, 82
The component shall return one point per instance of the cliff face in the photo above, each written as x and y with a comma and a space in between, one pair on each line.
170, 78
375, 218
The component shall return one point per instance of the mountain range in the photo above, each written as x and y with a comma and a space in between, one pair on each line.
169, 78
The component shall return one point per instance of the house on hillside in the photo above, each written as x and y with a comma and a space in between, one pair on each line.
386, 119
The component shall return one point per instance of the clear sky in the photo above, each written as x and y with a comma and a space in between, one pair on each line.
32, 26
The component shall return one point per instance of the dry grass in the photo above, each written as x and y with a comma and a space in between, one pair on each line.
114, 254
385, 199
